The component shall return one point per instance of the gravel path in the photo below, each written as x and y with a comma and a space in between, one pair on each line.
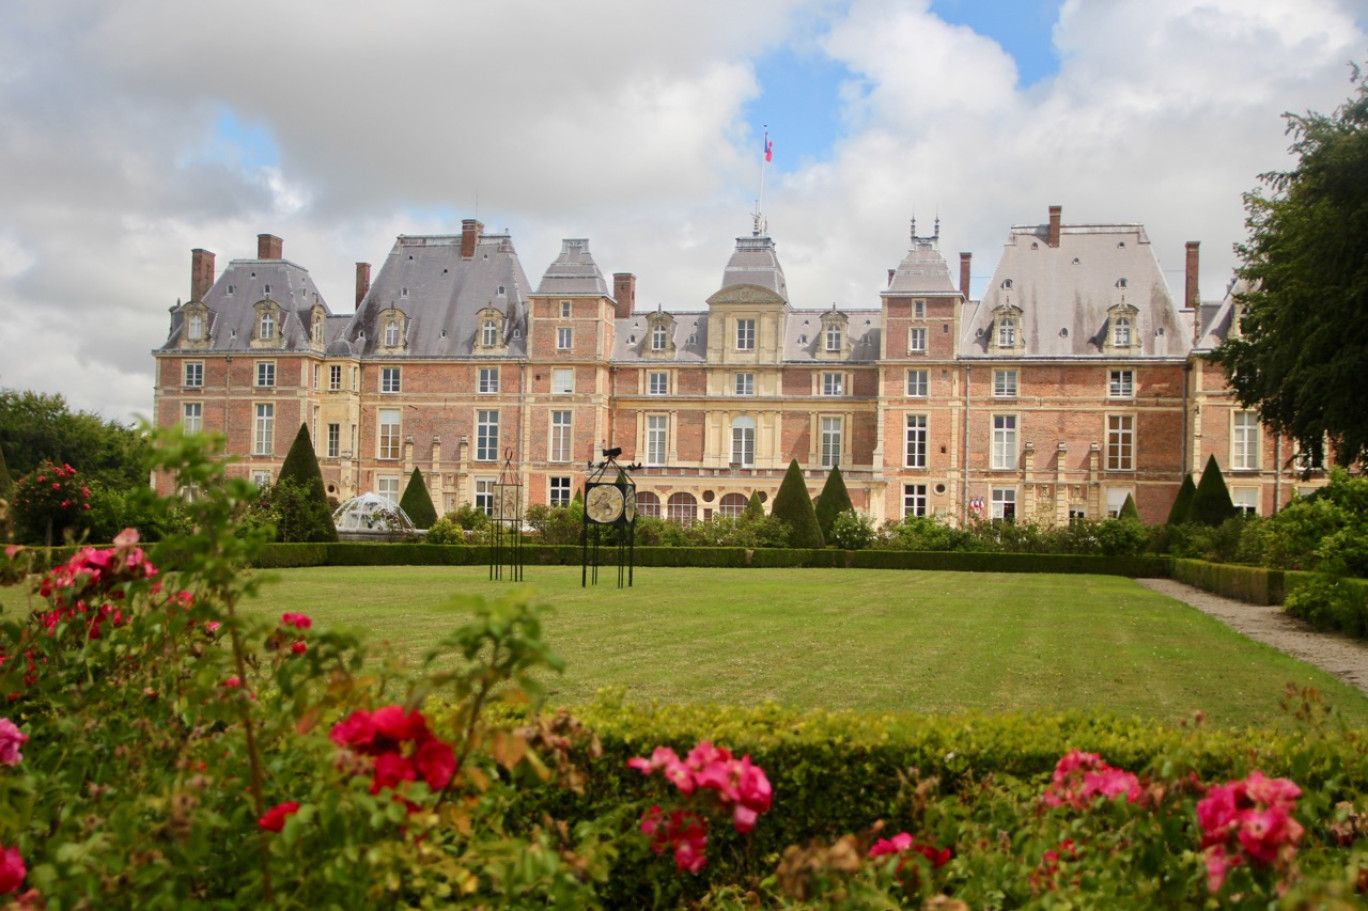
1342, 656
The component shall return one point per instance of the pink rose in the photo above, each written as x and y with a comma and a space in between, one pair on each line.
274, 820
11, 739
12, 871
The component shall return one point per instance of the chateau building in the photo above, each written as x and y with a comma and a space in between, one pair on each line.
1077, 380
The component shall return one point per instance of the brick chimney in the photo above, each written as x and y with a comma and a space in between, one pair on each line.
1192, 292
624, 293
964, 273
470, 236
362, 282
201, 273
270, 247
1056, 213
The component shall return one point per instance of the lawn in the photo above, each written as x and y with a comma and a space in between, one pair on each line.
870, 639
878, 640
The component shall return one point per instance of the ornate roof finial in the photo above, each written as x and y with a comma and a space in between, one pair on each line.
914, 230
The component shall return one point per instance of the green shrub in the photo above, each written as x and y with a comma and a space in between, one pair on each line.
832, 501
793, 507
298, 498
1182, 502
1330, 602
1211, 504
853, 531
445, 531
417, 502
755, 508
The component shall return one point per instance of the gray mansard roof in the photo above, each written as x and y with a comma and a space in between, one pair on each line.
232, 300
1066, 295
574, 273
755, 262
922, 271
441, 294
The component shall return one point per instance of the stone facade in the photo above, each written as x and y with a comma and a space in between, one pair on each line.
1078, 379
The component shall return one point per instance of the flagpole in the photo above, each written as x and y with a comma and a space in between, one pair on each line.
760, 227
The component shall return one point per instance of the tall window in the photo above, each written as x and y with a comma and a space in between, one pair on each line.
916, 383
265, 373
489, 333
391, 333
489, 379
1121, 384
389, 433
264, 437
194, 373
833, 384
193, 419
334, 440
919, 308
657, 432
916, 441
659, 338
745, 384
1120, 442
487, 436
1004, 383
1004, 503
565, 309
334, 377
743, 441
195, 327
658, 383
1122, 336
564, 338
389, 379
562, 380
560, 492
1007, 332
914, 500
266, 329
916, 341
831, 442
1004, 441
1244, 441
560, 436
745, 335
833, 337
484, 495
681, 508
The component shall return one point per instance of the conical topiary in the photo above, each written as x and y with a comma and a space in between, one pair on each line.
1183, 502
1211, 505
793, 506
417, 502
833, 500
1129, 510
755, 509
300, 469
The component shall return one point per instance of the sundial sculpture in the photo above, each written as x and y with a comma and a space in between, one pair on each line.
506, 556
610, 513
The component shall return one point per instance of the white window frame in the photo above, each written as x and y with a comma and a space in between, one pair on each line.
558, 491
263, 436
1120, 442
1245, 500
743, 441
487, 435
392, 332
334, 441
194, 327
657, 438
832, 335
744, 384
1007, 332
914, 501
1004, 452
193, 374
562, 380
745, 334
261, 478
488, 380
565, 309
265, 374
832, 430
489, 334
916, 340
387, 486
833, 384
1121, 384
915, 441
266, 326
1004, 503
658, 383
918, 382
192, 417
660, 337
1244, 441
389, 441
562, 435
334, 377
484, 495
565, 338
1005, 384
1121, 333
391, 380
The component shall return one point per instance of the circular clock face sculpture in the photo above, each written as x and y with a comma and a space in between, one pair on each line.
603, 504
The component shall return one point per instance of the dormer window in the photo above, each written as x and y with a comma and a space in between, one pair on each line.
659, 338
660, 334
833, 342
194, 327
391, 333
833, 338
1121, 334
1007, 332
489, 333
266, 328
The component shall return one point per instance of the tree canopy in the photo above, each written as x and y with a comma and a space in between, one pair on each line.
1301, 349
36, 426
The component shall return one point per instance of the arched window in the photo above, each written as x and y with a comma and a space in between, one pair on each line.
732, 505
1007, 332
267, 329
391, 333
195, 327
1122, 337
743, 441
648, 504
681, 508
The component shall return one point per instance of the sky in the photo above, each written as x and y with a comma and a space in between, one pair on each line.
136, 131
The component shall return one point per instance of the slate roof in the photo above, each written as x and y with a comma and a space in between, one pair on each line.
755, 262
1065, 293
574, 273
232, 311
441, 294
922, 271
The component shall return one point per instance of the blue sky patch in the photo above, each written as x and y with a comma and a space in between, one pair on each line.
800, 100
1024, 29
247, 145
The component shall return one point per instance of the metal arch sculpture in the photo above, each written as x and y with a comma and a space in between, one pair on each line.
610, 514
505, 554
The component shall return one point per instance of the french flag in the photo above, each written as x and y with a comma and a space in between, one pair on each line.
769, 149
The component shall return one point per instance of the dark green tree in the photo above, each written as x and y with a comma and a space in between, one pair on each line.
833, 500
1183, 502
1301, 351
793, 506
1129, 510
300, 484
417, 502
6, 482
1211, 504
37, 427
755, 509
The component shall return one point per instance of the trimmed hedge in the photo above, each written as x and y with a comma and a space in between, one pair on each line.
1134, 567
1251, 584
838, 772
